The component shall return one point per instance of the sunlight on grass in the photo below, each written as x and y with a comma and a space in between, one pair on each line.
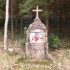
9, 61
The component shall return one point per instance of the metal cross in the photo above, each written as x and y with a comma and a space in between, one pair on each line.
37, 12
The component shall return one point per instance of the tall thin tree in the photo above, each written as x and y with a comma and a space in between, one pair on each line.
12, 19
6, 24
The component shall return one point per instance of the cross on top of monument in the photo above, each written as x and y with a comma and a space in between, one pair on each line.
37, 12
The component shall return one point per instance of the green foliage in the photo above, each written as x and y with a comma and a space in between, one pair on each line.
25, 29
54, 41
2, 8
62, 34
2, 3
23, 42
27, 5
67, 47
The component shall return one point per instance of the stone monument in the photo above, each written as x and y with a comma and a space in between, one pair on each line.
37, 42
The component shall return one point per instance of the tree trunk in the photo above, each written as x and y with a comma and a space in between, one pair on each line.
21, 27
47, 24
6, 24
16, 25
12, 19
47, 28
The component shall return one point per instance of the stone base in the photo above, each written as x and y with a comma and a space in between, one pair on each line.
36, 52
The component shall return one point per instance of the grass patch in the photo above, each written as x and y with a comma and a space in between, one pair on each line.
40, 62
67, 47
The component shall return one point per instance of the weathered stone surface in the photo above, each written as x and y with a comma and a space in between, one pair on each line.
37, 24
37, 42
36, 49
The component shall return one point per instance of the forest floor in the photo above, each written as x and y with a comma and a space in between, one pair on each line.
16, 61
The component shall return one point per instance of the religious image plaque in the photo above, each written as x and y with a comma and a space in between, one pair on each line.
37, 36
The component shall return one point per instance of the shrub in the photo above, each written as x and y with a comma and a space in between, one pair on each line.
62, 34
23, 42
67, 47
25, 30
54, 41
